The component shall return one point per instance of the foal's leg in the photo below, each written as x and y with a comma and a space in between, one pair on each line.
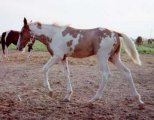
28, 56
46, 67
103, 64
127, 74
68, 82
1, 59
29, 51
3, 56
6, 52
3, 49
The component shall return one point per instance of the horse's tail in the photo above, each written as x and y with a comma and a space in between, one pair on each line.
130, 48
0, 39
3, 41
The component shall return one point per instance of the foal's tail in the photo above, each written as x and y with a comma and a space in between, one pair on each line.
0, 39
130, 48
3, 41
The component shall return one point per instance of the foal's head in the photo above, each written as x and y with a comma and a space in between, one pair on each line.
25, 36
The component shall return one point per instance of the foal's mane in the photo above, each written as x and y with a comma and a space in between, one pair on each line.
36, 23
55, 24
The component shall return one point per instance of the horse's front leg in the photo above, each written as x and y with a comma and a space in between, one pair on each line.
46, 67
28, 56
68, 82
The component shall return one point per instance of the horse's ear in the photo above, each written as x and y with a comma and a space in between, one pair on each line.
25, 21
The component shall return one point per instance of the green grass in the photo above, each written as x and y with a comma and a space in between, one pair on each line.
146, 48
143, 49
38, 46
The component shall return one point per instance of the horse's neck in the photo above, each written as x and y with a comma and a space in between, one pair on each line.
46, 34
44, 41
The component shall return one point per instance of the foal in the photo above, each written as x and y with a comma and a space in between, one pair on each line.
11, 37
65, 41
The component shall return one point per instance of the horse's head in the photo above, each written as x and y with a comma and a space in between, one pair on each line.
25, 36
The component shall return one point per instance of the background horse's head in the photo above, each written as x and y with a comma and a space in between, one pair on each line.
25, 35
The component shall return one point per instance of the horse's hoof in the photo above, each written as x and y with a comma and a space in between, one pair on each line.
94, 99
91, 101
50, 93
66, 100
141, 106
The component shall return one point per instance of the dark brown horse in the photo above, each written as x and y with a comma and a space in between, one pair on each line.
139, 40
11, 37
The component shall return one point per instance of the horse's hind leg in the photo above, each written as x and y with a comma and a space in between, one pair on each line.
127, 75
68, 82
3, 50
103, 64
46, 67
6, 52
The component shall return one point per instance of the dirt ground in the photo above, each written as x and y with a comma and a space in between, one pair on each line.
23, 97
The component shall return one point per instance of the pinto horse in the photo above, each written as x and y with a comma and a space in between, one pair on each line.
11, 37
64, 41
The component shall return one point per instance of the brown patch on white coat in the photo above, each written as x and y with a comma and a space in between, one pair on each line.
89, 41
46, 41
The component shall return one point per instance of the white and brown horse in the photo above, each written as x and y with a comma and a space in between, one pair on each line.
11, 37
65, 41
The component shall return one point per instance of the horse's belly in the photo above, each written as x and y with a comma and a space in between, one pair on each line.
81, 53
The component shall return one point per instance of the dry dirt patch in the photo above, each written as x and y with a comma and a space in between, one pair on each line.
23, 97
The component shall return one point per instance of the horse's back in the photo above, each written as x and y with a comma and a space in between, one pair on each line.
12, 37
89, 40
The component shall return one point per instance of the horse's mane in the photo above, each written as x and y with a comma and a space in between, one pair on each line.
55, 24
59, 25
37, 23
